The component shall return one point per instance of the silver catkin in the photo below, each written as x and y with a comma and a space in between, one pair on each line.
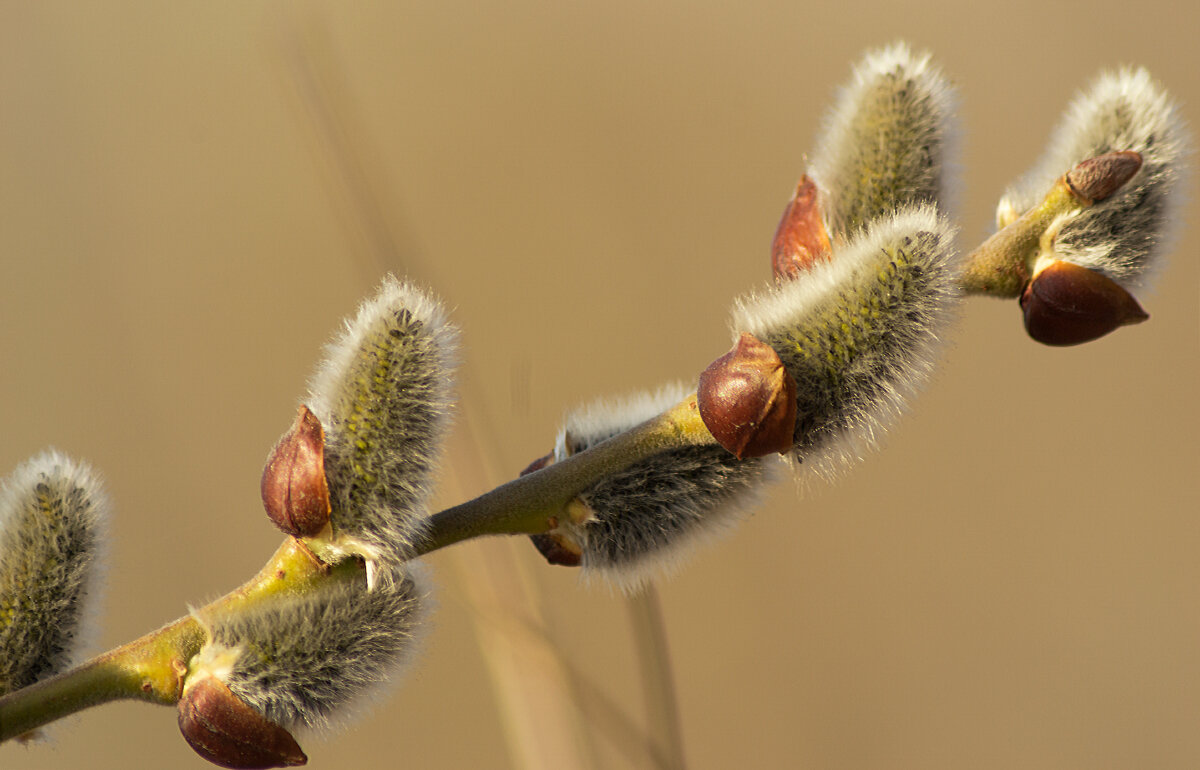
383, 396
648, 517
859, 333
1122, 235
52, 517
889, 142
310, 661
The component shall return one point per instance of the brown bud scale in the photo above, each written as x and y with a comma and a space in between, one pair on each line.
294, 488
800, 240
1066, 304
226, 731
558, 549
747, 400
1098, 178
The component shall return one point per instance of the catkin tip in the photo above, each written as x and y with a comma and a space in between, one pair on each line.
890, 141
384, 395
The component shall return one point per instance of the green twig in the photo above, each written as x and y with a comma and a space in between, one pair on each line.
152, 668
532, 504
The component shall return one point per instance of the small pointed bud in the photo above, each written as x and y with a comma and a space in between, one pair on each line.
748, 400
801, 239
1098, 178
1066, 304
294, 490
223, 729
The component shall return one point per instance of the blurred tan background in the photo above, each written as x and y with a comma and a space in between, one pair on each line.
192, 196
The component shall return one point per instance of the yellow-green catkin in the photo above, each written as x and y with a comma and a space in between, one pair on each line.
859, 334
313, 660
888, 143
383, 396
52, 515
645, 520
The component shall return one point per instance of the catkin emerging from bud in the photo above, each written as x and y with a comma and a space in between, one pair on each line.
643, 520
1121, 235
383, 396
52, 513
858, 334
887, 142
301, 661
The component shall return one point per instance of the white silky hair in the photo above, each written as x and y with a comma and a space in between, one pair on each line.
317, 661
384, 395
859, 333
53, 521
1122, 236
889, 142
650, 517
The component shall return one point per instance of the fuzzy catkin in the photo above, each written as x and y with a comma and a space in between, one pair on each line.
383, 396
303, 661
1122, 235
52, 514
888, 142
647, 517
859, 334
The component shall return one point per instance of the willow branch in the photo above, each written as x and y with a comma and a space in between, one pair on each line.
533, 503
152, 668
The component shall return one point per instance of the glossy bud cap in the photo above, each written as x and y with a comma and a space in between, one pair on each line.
1098, 178
800, 240
220, 727
1066, 304
748, 400
294, 489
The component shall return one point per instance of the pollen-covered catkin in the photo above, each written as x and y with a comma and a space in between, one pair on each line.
887, 143
645, 518
859, 333
302, 661
383, 396
52, 515
1123, 234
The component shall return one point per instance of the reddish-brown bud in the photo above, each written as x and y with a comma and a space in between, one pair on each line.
747, 400
1066, 304
1097, 178
801, 239
294, 490
558, 549
223, 729
538, 464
